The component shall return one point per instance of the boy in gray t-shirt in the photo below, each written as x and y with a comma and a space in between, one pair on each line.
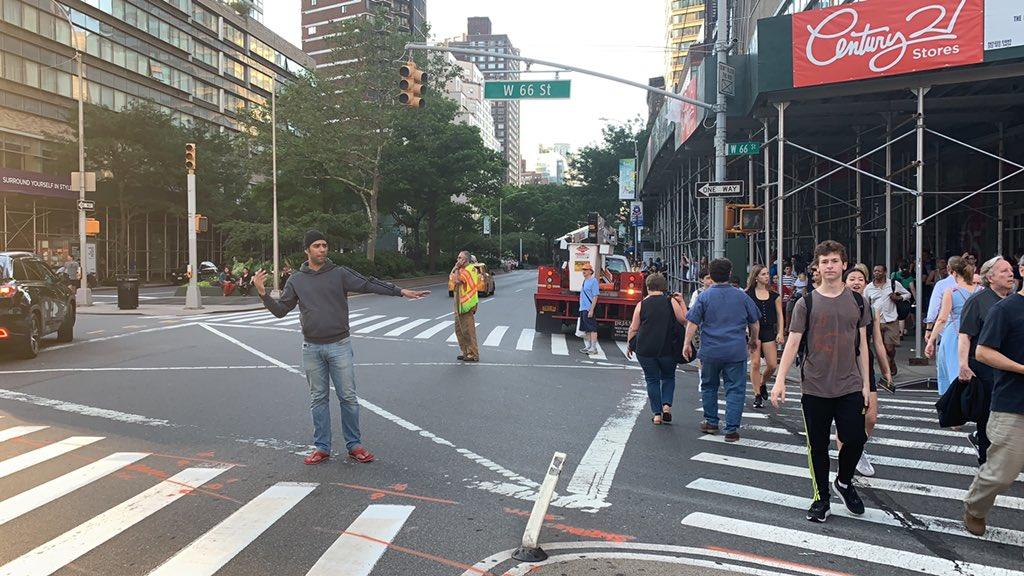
829, 330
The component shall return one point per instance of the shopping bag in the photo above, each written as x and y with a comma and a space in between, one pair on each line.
579, 333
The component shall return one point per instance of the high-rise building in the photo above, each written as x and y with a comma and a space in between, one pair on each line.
467, 91
199, 60
480, 36
320, 19
251, 8
684, 22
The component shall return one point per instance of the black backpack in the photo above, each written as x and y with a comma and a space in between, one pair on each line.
903, 307
801, 352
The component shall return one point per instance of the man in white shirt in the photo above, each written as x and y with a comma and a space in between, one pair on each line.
883, 294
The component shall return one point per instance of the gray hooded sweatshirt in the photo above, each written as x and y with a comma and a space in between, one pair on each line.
322, 296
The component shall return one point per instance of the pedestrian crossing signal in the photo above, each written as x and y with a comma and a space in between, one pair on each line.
411, 85
743, 219
92, 227
202, 223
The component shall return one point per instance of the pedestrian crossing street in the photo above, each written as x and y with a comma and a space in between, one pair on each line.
355, 552
365, 323
922, 474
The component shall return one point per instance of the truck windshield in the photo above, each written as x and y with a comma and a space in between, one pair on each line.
615, 265
6, 271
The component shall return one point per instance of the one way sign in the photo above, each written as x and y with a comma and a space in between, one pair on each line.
728, 189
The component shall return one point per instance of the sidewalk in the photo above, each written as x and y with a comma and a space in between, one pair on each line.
221, 304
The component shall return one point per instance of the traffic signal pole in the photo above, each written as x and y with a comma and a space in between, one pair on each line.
722, 51
193, 300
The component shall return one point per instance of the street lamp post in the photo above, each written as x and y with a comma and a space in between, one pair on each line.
276, 292
84, 296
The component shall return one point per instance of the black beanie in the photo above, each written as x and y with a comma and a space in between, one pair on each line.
310, 237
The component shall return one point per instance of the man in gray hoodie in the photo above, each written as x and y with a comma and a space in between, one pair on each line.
320, 289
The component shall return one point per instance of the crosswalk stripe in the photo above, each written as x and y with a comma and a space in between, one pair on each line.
28, 459
289, 322
358, 549
875, 515
932, 431
71, 545
558, 345
879, 441
754, 415
878, 483
599, 355
365, 320
272, 319
250, 318
406, 327
225, 317
433, 330
842, 548
801, 449
931, 419
624, 346
454, 337
494, 338
525, 341
29, 500
211, 551
17, 431
381, 324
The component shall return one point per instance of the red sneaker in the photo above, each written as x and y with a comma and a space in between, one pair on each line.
316, 457
361, 455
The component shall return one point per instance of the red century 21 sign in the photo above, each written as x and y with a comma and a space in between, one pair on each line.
885, 37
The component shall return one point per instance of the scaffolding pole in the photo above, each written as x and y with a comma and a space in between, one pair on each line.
858, 182
919, 225
999, 211
768, 206
888, 193
780, 197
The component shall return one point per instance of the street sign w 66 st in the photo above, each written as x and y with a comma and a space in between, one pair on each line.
523, 90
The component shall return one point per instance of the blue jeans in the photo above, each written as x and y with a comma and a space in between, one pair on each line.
733, 375
660, 374
324, 363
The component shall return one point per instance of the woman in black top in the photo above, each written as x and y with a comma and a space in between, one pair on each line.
770, 332
655, 335
245, 282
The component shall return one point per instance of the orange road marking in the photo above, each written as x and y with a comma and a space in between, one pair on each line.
426, 556
376, 491
795, 565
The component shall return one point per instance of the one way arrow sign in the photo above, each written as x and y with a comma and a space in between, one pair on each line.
729, 189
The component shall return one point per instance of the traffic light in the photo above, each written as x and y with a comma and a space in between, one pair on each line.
202, 223
743, 219
190, 157
411, 85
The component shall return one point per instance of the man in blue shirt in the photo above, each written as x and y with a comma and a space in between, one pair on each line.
728, 320
588, 303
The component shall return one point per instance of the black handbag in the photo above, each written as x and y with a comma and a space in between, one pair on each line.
950, 405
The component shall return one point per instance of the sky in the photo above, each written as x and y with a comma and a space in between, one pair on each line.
628, 41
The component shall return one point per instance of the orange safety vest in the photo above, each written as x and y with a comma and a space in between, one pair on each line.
466, 292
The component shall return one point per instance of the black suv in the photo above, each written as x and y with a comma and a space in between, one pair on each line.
34, 302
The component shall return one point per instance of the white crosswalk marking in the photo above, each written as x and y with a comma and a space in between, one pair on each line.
1012, 502
217, 547
558, 345
599, 355
18, 431
28, 459
525, 341
225, 317
290, 322
29, 500
69, 546
250, 317
381, 324
406, 327
365, 320
358, 549
931, 565
623, 347
874, 515
272, 319
433, 330
494, 338
880, 441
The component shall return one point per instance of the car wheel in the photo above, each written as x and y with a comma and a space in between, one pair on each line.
66, 332
29, 347
451, 294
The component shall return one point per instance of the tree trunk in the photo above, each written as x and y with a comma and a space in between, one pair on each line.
371, 236
433, 246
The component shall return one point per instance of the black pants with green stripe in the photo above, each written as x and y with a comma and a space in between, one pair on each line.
848, 414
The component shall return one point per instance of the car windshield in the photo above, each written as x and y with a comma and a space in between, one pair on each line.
6, 271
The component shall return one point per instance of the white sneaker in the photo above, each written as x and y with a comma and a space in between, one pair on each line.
585, 350
864, 467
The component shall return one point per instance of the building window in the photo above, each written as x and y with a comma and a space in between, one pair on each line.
204, 17
234, 35
206, 93
311, 30
261, 80
234, 69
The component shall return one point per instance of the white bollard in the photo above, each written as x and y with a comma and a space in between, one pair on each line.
530, 551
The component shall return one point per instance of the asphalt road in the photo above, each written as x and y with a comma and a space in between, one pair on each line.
174, 445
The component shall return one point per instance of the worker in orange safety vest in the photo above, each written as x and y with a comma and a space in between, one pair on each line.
466, 281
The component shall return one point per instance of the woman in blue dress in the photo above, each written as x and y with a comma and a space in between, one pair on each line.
947, 326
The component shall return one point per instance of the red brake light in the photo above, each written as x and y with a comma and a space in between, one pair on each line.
7, 291
3, 333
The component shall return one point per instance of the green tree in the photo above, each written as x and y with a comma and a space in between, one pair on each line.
433, 161
595, 168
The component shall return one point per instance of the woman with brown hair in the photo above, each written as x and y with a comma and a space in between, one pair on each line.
770, 334
947, 326
655, 335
